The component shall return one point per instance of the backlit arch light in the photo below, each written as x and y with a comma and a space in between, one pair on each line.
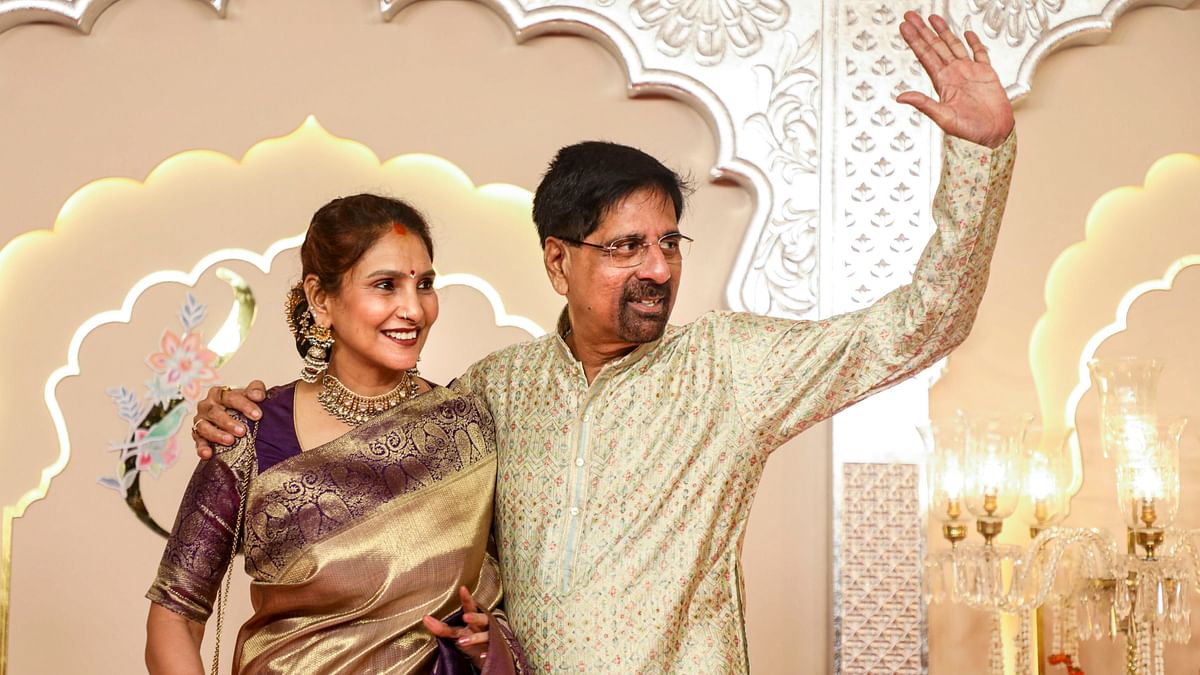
1119, 324
1059, 411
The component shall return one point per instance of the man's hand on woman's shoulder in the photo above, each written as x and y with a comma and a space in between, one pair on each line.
213, 425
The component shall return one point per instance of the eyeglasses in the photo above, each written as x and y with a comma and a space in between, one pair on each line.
631, 251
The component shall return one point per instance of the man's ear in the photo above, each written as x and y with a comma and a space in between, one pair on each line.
558, 263
318, 299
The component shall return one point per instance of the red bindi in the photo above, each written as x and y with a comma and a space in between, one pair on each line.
400, 229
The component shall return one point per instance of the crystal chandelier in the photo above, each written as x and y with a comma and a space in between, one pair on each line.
1079, 580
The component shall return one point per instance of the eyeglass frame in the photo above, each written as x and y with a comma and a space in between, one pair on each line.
643, 247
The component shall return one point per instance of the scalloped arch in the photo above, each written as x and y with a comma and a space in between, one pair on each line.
80, 14
1088, 30
1112, 216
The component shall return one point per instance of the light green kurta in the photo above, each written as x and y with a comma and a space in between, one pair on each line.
620, 506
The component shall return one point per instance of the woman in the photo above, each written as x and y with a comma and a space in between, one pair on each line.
362, 497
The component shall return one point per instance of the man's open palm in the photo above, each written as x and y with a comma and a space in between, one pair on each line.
971, 103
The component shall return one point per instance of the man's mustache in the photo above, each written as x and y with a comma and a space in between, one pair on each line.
646, 291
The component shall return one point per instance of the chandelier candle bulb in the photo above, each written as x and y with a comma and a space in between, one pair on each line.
1040, 516
1048, 475
946, 478
994, 463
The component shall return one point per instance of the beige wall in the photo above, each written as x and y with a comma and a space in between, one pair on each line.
155, 79
1098, 119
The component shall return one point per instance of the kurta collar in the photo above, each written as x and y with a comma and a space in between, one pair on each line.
563, 328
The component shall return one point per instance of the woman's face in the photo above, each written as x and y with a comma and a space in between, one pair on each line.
382, 314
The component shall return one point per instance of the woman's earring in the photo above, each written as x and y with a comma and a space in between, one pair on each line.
320, 341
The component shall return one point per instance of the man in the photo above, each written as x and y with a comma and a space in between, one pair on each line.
630, 450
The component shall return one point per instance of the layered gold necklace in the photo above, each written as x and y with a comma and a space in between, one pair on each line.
354, 409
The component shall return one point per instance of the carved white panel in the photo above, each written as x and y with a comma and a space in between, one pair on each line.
880, 169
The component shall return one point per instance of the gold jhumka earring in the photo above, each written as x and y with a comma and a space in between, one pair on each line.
320, 341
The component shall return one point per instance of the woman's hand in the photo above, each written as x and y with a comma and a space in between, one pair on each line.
471, 639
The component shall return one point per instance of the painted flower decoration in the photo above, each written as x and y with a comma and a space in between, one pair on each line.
184, 363
1015, 19
155, 455
158, 392
709, 27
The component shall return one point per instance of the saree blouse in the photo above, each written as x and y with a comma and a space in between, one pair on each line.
348, 544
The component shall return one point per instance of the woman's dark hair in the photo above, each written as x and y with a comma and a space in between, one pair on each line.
339, 234
588, 179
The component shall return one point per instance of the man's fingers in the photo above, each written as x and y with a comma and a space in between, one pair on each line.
935, 44
207, 432
929, 59
239, 401
256, 390
977, 48
219, 420
203, 449
948, 37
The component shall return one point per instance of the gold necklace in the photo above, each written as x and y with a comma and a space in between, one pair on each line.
354, 409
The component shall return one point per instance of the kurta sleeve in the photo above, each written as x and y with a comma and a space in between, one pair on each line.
200, 547
480, 378
787, 375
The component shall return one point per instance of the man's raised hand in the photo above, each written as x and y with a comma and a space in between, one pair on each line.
971, 103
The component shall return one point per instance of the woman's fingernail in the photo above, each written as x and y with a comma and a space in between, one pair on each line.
255, 414
464, 641
237, 429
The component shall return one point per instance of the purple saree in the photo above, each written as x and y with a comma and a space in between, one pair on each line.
348, 544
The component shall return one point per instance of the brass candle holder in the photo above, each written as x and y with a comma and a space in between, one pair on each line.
989, 526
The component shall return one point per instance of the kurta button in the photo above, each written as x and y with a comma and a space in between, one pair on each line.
587, 417
579, 462
574, 510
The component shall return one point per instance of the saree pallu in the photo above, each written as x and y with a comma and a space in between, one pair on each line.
349, 544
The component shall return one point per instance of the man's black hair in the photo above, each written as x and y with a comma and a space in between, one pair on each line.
588, 179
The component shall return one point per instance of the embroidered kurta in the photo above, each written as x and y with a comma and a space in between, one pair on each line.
621, 505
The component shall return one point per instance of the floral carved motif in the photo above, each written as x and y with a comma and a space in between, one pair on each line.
792, 111
784, 275
784, 278
708, 28
1016, 20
